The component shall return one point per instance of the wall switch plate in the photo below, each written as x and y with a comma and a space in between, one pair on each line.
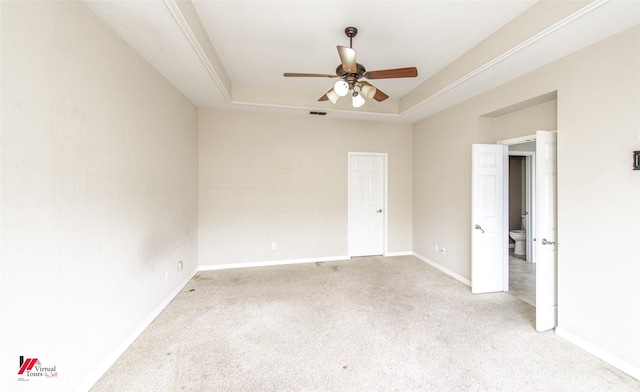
273, 246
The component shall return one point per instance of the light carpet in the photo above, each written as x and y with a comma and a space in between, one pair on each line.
366, 324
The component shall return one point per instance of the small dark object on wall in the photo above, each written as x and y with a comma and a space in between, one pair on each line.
636, 160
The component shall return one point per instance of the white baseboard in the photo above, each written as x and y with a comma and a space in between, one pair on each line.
213, 267
626, 367
443, 269
102, 369
394, 254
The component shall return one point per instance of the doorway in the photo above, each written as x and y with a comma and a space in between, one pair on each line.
489, 210
367, 205
521, 216
545, 226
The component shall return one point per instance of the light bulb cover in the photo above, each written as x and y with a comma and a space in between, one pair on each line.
341, 88
368, 91
357, 100
333, 97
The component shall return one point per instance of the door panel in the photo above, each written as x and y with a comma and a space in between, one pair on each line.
489, 257
366, 203
547, 230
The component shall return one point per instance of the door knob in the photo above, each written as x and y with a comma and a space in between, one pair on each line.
545, 242
379, 211
478, 227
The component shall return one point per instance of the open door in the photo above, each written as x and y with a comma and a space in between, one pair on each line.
547, 230
489, 252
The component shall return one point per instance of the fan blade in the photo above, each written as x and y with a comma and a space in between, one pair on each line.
307, 75
408, 72
379, 95
348, 59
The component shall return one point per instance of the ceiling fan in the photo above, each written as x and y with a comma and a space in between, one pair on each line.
350, 74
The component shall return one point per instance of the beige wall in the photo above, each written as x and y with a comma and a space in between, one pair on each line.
598, 122
527, 121
270, 178
599, 196
99, 192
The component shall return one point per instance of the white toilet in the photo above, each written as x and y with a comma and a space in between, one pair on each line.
520, 237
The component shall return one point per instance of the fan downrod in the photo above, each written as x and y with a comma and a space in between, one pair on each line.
351, 32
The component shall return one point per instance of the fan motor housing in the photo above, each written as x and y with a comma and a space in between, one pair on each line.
341, 72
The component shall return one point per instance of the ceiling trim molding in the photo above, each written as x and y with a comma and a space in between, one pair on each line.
544, 33
308, 108
174, 9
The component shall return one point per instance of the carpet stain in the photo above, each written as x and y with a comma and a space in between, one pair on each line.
202, 277
334, 268
318, 263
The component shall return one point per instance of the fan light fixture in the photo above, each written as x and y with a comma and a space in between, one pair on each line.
333, 96
350, 72
341, 88
357, 97
369, 91
357, 100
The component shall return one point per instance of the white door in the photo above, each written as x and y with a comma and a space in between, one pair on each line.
489, 252
366, 204
547, 230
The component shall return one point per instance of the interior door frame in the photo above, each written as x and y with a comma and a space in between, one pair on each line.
385, 203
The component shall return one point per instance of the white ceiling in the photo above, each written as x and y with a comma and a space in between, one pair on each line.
232, 54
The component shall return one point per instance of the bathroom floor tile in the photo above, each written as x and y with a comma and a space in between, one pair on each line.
522, 279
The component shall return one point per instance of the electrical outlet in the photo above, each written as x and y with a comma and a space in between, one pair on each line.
444, 251
273, 246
